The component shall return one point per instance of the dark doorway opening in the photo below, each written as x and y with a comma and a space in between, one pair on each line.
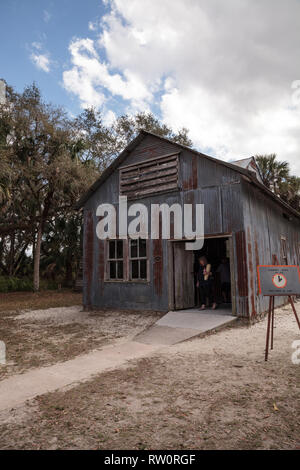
185, 263
218, 253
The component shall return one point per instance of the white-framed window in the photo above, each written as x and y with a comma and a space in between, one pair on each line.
138, 260
115, 260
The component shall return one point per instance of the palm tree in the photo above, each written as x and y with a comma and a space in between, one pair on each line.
273, 172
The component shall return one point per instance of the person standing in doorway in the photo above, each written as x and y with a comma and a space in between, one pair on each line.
205, 283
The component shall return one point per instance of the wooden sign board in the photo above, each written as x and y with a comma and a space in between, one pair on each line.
274, 280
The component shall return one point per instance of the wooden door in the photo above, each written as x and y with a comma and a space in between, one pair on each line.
184, 295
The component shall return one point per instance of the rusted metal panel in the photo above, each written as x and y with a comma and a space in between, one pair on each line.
158, 266
242, 307
252, 274
232, 207
170, 275
183, 280
218, 188
101, 260
232, 210
190, 173
266, 226
209, 173
101, 264
150, 147
88, 257
210, 197
190, 197
242, 270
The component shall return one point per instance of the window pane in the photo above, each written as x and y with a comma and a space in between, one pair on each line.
112, 270
120, 269
112, 249
120, 249
133, 248
134, 269
143, 269
142, 248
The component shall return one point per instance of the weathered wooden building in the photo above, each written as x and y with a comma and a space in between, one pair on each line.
243, 220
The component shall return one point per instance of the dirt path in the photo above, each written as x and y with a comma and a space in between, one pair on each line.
15, 390
44, 337
215, 392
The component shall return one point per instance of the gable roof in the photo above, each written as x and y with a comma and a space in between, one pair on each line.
248, 175
250, 163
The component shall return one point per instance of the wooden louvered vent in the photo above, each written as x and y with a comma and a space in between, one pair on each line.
155, 175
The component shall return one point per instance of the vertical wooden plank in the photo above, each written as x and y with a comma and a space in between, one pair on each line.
126, 259
242, 273
232, 276
171, 276
101, 264
88, 258
158, 266
183, 276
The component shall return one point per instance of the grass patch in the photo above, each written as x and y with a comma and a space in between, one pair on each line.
15, 301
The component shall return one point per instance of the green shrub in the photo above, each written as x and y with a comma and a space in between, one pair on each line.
14, 284
48, 285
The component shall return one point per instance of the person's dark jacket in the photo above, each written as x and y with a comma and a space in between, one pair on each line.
200, 276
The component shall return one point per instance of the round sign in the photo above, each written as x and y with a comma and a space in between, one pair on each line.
279, 281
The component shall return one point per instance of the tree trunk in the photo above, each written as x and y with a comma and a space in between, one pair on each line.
37, 256
11, 257
69, 271
37, 251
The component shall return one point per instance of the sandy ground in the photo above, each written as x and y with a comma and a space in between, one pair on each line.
42, 337
209, 393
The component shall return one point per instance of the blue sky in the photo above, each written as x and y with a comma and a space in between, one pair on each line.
227, 71
51, 24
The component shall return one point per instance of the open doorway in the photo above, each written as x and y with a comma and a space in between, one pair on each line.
218, 251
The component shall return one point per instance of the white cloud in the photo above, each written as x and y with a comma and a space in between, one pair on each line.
36, 45
41, 61
39, 57
222, 69
92, 26
89, 77
46, 16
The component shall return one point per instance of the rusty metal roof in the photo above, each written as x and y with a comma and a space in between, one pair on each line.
246, 174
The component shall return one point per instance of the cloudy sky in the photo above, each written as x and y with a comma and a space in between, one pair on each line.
229, 70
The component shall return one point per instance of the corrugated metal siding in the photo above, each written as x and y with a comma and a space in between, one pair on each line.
219, 189
194, 171
232, 210
265, 224
231, 207
158, 266
242, 299
101, 265
211, 199
150, 147
88, 258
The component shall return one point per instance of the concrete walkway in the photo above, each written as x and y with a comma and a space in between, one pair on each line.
181, 325
15, 390
172, 328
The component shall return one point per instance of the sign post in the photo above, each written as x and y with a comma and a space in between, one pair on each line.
278, 280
